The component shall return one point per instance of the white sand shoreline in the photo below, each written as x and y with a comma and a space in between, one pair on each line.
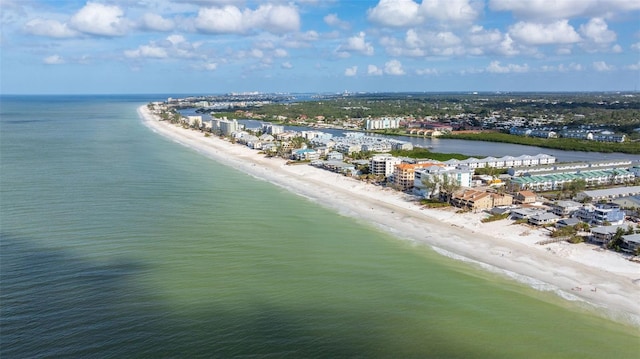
605, 279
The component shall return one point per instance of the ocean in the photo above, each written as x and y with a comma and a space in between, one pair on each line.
116, 242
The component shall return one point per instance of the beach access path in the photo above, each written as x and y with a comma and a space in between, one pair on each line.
600, 280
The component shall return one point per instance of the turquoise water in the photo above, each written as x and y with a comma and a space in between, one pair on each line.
119, 243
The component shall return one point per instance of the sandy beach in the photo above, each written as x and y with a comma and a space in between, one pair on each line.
582, 273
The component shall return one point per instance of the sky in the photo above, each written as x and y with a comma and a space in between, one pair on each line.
223, 46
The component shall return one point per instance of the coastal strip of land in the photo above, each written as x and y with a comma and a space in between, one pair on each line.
600, 280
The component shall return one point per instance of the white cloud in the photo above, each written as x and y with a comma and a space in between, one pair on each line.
356, 44
633, 67
155, 22
427, 71
286, 65
602, 66
395, 13
334, 20
229, 19
101, 20
431, 39
280, 53
220, 20
447, 11
477, 41
175, 46
479, 36
562, 9
542, 9
597, 31
49, 28
495, 67
558, 32
205, 65
393, 67
507, 47
300, 40
374, 70
275, 18
419, 43
147, 51
257, 53
351, 71
53, 60
176, 39
562, 68
598, 37
635, 46
405, 13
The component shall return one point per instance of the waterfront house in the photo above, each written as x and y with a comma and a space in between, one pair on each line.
335, 156
567, 222
631, 243
522, 213
602, 235
520, 131
525, 197
265, 137
305, 154
344, 168
543, 133
577, 134
475, 200
542, 219
601, 213
609, 137
565, 208
608, 212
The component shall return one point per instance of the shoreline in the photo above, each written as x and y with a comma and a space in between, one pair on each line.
602, 280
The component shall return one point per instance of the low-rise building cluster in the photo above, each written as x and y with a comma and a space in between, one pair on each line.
455, 180
581, 134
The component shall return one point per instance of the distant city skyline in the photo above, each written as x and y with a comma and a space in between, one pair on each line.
221, 46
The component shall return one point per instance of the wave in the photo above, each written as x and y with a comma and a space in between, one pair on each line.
610, 313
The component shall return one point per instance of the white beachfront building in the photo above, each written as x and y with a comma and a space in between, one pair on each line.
504, 162
461, 175
383, 123
383, 165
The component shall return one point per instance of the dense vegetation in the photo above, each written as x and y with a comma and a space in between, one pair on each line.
622, 111
419, 152
555, 143
617, 112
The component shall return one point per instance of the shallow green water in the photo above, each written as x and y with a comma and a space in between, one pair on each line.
119, 243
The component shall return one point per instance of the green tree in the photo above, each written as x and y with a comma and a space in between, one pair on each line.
449, 185
616, 240
196, 124
432, 184
576, 186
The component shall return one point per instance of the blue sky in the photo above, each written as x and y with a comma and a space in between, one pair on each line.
220, 46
